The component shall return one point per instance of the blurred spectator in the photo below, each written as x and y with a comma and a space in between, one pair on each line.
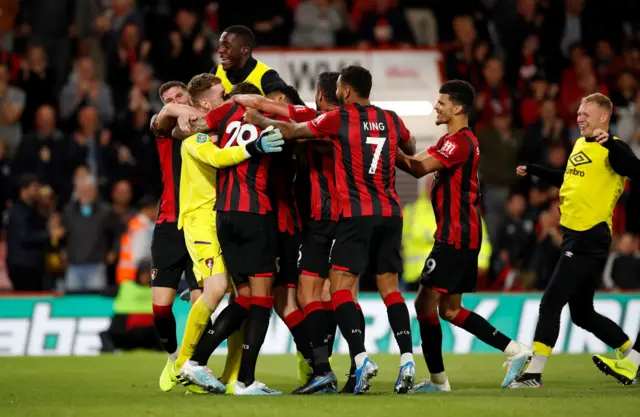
622, 271
112, 22
6, 190
270, 24
548, 130
121, 196
121, 61
27, 237
572, 91
547, 250
12, 100
55, 262
513, 235
39, 150
494, 97
135, 242
385, 25
572, 26
38, 82
91, 146
190, 51
316, 24
499, 147
623, 97
628, 126
537, 92
132, 324
49, 23
7, 22
460, 57
83, 89
422, 22
91, 229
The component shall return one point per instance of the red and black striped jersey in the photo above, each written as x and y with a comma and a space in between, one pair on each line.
366, 140
242, 187
282, 177
456, 190
324, 194
170, 167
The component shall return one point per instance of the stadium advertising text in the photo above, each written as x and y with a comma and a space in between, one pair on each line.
71, 325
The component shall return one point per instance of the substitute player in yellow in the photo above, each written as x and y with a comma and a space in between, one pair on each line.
200, 160
589, 189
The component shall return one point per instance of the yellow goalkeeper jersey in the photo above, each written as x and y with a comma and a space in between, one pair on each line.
201, 159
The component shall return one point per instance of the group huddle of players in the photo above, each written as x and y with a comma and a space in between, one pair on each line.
287, 206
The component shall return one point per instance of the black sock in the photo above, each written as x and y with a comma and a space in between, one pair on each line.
332, 326
296, 325
255, 332
636, 346
165, 324
398, 315
352, 368
349, 321
316, 322
227, 322
481, 328
431, 335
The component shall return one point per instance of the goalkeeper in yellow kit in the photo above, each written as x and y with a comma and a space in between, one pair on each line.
200, 160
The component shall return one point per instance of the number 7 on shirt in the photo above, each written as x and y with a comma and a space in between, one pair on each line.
378, 142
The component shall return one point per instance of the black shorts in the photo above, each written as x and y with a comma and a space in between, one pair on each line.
368, 243
315, 247
449, 270
287, 259
170, 258
248, 243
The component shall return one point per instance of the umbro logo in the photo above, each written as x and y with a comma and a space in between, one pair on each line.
568, 254
579, 158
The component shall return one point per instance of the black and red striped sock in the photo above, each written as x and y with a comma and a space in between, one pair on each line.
165, 324
332, 326
295, 321
255, 332
398, 315
431, 335
316, 320
481, 328
227, 322
349, 320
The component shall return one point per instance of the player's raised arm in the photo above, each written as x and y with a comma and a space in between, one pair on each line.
262, 104
166, 119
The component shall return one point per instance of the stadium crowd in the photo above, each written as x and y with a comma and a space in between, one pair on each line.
79, 82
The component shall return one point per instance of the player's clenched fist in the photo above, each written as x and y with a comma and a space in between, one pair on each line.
521, 171
251, 116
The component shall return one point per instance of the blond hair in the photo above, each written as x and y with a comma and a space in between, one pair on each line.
201, 83
601, 100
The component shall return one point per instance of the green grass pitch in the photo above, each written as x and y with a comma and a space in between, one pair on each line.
126, 385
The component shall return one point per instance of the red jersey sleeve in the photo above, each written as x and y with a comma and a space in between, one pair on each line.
451, 150
405, 135
327, 124
301, 114
215, 116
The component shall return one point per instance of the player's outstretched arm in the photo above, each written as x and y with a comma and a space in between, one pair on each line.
554, 177
262, 104
289, 131
418, 165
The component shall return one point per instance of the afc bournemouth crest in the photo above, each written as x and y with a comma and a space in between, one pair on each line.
209, 263
154, 274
